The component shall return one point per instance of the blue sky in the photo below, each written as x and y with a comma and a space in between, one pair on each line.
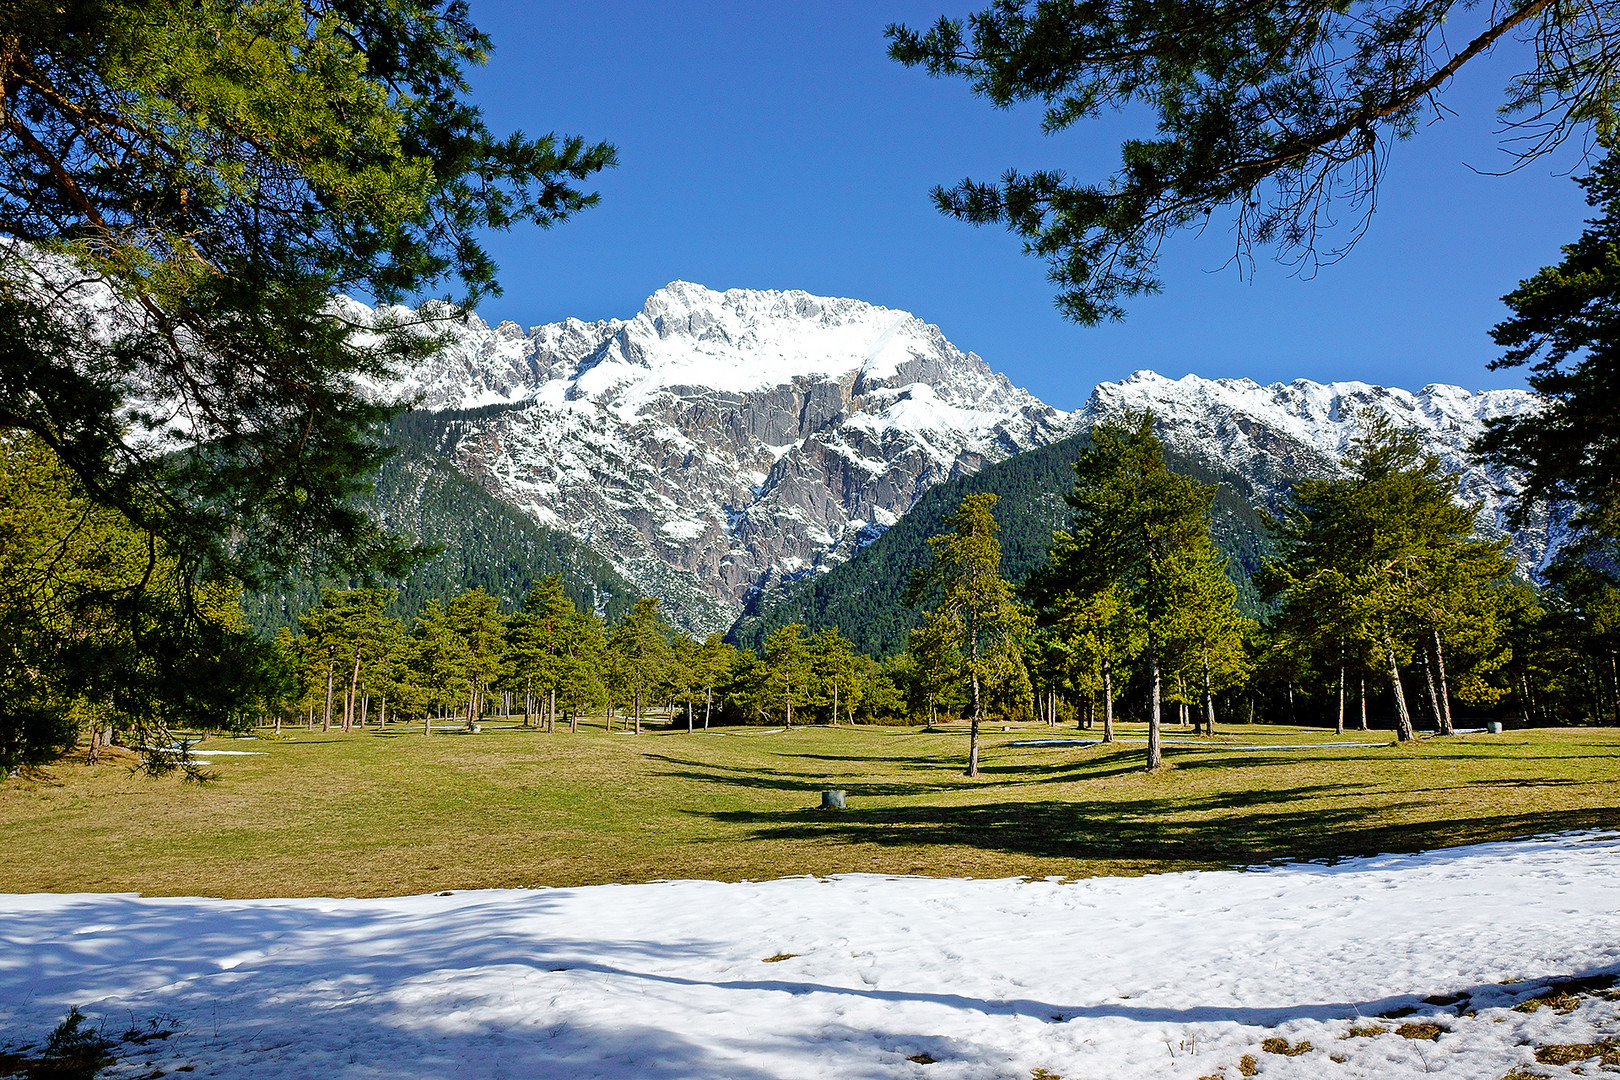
775, 146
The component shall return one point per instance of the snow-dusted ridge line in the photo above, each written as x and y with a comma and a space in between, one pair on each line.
716, 442
1274, 435
1170, 975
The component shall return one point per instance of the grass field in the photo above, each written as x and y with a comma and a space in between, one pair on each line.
375, 814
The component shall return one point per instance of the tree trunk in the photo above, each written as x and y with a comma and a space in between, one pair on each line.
689, 724
382, 714
1155, 757
708, 705
638, 712
1209, 702
1403, 719
354, 688
1108, 702
1339, 728
551, 711
1445, 691
1524, 699
326, 717
1362, 695
1293, 717
973, 731
835, 704
1428, 682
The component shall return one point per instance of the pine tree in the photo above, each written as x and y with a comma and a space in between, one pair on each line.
1137, 527
975, 613
218, 172
641, 653
1277, 114
785, 671
1385, 558
832, 664
1566, 327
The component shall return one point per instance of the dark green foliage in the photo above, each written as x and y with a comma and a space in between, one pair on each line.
1566, 326
1276, 112
183, 189
73, 1052
482, 543
862, 598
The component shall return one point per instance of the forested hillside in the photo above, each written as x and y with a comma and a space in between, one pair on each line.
483, 542
862, 598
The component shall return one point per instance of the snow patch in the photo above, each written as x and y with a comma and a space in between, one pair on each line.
1168, 975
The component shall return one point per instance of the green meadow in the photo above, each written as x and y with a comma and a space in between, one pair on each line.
388, 813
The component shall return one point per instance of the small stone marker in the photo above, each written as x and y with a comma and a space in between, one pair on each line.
1494, 727
832, 799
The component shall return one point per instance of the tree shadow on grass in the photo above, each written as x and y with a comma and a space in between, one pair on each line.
1225, 829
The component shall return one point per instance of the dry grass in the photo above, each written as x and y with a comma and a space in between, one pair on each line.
1276, 1045
1607, 1051
387, 814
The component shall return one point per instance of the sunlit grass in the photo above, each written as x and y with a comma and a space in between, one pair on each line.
382, 814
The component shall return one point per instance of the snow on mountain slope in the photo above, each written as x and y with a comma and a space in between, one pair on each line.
716, 442
1274, 435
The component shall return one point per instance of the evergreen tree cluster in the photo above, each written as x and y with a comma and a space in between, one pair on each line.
864, 597
353, 663
472, 539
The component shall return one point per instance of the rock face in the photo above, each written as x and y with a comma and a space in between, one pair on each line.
1274, 435
717, 442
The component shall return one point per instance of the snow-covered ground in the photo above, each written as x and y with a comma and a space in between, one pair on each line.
1173, 975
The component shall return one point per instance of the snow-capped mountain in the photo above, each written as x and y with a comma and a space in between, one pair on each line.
1274, 435
716, 442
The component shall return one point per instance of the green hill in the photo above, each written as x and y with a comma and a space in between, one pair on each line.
862, 597
484, 543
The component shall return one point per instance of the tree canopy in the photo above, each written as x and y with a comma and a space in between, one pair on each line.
1566, 326
1279, 112
184, 190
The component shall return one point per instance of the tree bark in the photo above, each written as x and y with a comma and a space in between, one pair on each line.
551, 711
1403, 718
1209, 702
1108, 702
1428, 683
708, 705
326, 717
1155, 757
1362, 695
354, 688
1445, 691
835, 703
638, 712
1339, 728
973, 731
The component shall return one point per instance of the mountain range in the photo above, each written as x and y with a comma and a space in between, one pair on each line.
717, 446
